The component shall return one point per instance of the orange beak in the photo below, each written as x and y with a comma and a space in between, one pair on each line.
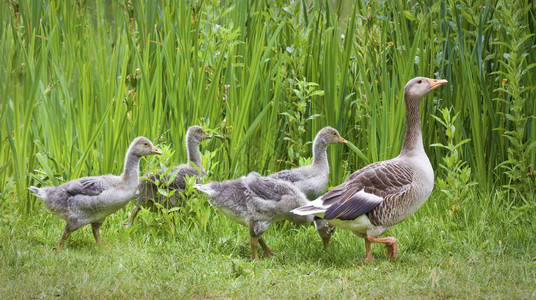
342, 141
435, 83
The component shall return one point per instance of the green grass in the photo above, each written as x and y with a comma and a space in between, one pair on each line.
80, 79
488, 253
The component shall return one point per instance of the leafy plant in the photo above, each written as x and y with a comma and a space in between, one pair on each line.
297, 118
513, 94
457, 181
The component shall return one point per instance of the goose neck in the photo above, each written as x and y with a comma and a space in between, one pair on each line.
192, 150
413, 138
131, 171
320, 156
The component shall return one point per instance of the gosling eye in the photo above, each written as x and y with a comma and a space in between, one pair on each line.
146, 144
420, 81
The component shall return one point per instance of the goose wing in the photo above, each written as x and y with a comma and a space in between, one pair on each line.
366, 189
88, 186
288, 175
268, 188
269, 198
182, 171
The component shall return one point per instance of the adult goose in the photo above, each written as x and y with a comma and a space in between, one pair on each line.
89, 200
384, 193
313, 179
255, 202
147, 193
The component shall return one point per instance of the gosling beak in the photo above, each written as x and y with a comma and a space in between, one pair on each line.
342, 141
435, 83
156, 151
207, 136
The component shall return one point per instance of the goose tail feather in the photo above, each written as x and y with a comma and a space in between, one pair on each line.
38, 192
312, 208
206, 189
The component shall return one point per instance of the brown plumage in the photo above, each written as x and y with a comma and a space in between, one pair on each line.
384, 193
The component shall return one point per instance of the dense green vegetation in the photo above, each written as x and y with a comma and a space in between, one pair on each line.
80, 79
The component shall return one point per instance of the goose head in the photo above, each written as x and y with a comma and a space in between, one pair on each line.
196, 134
329, 135
142, 146
418, 87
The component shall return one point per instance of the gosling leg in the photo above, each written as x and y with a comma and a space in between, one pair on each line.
64, 237
133, 214
95, 228
267, 252
253, 241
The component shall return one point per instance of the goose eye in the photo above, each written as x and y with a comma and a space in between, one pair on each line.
146, 144
420, 81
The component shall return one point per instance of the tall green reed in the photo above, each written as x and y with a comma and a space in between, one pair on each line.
513, 93
81, 80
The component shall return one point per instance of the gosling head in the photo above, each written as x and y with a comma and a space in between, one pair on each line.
418, 87
142, 146
324, 229
196, 134
329, 135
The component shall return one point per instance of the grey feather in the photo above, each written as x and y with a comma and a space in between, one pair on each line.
312, 179
148, 189
91, 199
256, 201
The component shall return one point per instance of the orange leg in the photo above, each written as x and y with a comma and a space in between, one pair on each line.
390, 244
392, 250
368, 252
267, 252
